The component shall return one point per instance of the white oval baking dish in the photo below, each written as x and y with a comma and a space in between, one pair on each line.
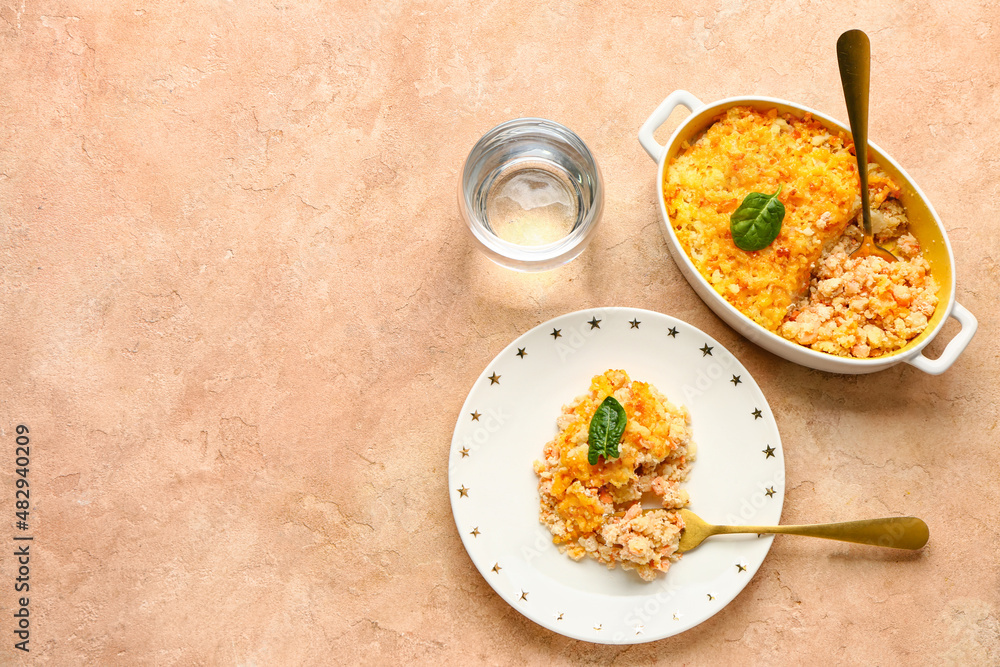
924, 223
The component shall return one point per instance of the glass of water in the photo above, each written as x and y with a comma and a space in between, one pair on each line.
531, 194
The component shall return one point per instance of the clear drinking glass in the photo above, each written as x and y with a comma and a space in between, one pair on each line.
531, 193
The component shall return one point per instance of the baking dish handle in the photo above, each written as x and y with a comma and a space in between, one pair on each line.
659, 117
954, 348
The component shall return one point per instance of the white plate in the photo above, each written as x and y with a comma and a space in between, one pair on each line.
737, 478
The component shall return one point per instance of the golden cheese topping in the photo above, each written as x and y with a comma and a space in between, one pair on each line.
745, 151
596, 510
656, 431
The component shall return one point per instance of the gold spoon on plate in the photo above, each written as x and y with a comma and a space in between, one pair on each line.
854, 57
905, 532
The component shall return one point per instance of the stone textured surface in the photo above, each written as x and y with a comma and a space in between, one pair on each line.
239, 313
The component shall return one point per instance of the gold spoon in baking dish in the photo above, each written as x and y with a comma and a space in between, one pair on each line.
905, 532
854, 57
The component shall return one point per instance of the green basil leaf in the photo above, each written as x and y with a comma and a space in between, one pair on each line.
606, 429
757, 221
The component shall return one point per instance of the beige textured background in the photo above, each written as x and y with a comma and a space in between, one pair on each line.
240, 314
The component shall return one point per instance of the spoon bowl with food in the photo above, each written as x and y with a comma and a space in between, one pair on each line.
854, 58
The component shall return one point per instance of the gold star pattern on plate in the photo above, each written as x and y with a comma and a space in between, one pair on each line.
672, 332
677, 615
594, 323
639, 628
476, 415
736, 380
521, 353
464, 451
740, 567
706, 350
497, 568
757, 414
556, 333
474, 532
597, 627
769, 452
463, 492
635, 323
770, 491
710, 596
494, 379
559, 616
524, 596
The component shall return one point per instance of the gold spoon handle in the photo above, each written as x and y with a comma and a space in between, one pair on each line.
854, 58
905, 532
